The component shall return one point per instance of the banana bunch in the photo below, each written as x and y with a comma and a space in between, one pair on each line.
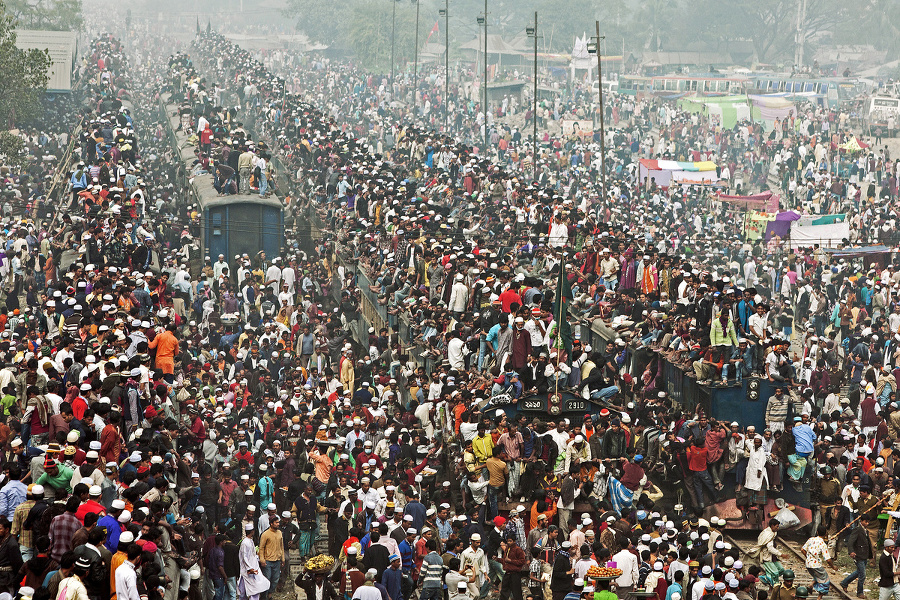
320, 562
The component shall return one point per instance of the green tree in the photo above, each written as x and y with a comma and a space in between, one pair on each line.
56, 15
23, 75
770, 24
12, 150
877, 22
322, 21
369, 34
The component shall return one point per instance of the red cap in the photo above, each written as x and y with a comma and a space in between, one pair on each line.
499, 521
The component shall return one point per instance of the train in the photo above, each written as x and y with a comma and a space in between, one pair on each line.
229, 225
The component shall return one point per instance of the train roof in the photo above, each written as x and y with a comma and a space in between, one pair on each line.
203, 184
209, 198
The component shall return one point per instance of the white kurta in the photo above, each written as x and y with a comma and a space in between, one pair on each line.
250, 584
756, 469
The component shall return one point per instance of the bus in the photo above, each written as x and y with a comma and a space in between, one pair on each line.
635, 85
881, 109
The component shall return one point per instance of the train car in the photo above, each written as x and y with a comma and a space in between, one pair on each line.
547, 406
699, 85
825, 91
229, 225
238, 224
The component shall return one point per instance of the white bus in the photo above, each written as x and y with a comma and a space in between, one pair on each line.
884, 112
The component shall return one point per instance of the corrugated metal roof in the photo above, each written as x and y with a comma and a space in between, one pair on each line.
62, 46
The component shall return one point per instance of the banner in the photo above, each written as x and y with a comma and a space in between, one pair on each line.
826, 236
756, 223
807, 220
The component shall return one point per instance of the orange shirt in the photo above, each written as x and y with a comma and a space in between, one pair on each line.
117, 559
323, 467
166, 345
551, 512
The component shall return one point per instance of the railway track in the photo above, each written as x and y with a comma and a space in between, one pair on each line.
793, 560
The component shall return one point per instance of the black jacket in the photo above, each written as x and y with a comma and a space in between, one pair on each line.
858, 542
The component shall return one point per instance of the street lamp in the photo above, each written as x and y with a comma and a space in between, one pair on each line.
445, 13
532, 32
482, 21
416, 59
593, 47
393, 29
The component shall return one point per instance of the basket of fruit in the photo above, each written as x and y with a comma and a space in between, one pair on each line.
321, 563
607, 573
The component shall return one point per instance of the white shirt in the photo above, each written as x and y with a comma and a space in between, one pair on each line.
456, 353
273, 274
367, 592
628, 562
477, 560
126, 582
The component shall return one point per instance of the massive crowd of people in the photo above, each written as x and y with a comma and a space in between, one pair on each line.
358, 401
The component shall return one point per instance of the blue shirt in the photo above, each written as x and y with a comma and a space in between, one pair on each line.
11, 496
492, 336
417, 511
675, 587
391, 581
113, 531
445, 528
805, 438
406, 556
266, 488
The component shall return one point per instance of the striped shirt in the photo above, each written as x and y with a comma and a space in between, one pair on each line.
433, 567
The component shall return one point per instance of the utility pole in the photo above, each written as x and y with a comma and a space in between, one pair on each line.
483, 21
416, 60
800, 36
445, 12
533, 32
393, 28
596, 48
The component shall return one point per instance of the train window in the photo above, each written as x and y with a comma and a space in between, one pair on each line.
217, 224
809, 87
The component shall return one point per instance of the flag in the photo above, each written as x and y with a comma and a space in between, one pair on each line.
561, 309
620, 497
434, 30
